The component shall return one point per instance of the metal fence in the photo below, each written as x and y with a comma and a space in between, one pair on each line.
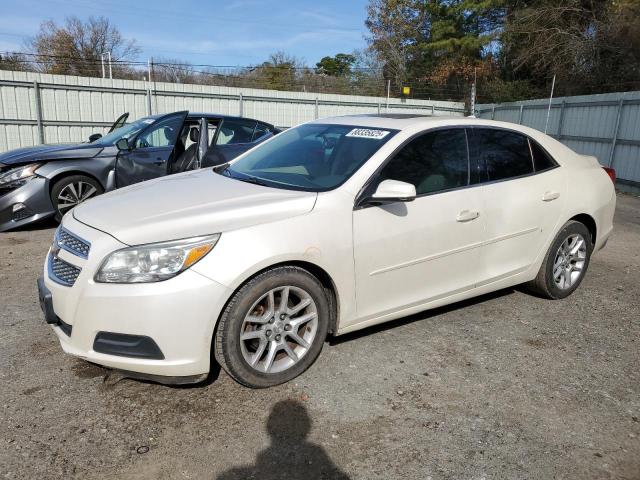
40, 108
606, 126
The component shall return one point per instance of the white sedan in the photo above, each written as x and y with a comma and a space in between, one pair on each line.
329, 227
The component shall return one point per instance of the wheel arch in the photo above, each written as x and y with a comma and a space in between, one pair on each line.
70, 173
589, 222
318, 272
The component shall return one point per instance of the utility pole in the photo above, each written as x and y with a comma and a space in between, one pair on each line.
546, 124
473, 94
388, 92
104, 75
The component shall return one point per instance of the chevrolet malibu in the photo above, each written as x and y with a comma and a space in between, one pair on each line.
329, 227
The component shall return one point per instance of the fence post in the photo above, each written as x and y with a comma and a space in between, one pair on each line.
561, 120
520, 115
38, 105
315, 113
614, 140
149, 112
378, 108
433, 110
240, 107
493, 112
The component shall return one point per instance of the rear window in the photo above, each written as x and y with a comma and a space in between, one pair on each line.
503, 154
541, 159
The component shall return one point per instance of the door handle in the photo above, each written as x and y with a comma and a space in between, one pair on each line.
467, 215
158, 161
549, 196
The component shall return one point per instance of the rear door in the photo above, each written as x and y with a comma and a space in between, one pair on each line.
522, 200
233, 137
152, 151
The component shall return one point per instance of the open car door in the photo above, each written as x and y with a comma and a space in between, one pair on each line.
150, 153
120, 121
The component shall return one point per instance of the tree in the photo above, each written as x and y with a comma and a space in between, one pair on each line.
279, 72
586, 44
14, 61
338, 66
440, 40
75, 47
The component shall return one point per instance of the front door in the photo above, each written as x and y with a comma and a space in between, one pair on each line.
152, 151
407, 254
120, 121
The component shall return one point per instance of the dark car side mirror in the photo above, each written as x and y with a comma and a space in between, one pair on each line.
123, 144
94, 137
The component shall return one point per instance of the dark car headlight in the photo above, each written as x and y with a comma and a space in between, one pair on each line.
16, 177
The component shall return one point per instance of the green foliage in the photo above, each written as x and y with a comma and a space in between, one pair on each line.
337, 66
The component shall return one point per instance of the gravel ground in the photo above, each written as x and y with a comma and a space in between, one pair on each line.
505, 386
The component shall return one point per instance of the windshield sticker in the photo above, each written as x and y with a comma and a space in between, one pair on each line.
367, 133
148, 121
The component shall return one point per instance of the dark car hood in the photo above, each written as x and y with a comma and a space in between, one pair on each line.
49, 152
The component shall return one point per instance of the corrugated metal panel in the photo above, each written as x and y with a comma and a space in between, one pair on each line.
76, 100
590, 124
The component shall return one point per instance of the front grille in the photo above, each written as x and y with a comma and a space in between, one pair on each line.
62, 272
72, 244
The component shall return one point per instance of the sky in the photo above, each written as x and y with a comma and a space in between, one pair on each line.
210, 32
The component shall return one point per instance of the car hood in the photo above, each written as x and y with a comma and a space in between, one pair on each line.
188, 205
49, 152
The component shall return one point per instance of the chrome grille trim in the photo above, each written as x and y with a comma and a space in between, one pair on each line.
72, 243
62, 272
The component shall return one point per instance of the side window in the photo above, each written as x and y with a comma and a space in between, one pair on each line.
432, 162
503, 154
162, 134
541, 159
235, 131
261, 131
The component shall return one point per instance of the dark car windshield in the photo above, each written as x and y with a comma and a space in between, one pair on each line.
313, 157
126, 131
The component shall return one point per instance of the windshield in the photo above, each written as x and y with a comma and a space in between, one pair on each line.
312, 157
126, 131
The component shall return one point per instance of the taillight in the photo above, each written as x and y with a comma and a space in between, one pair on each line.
611, 172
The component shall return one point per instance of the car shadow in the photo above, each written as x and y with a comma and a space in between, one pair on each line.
290, 454
43, 224
347, 337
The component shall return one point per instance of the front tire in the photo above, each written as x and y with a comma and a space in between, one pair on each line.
273, 328
71, 191
565, 263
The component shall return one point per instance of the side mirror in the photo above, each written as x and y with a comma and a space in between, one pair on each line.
391, 191
94, 137
123, 144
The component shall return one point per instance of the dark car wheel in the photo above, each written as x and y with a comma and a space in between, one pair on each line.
273, 328
70, 191
566, 262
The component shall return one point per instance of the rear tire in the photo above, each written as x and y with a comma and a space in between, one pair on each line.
565, 263
273, 328
70, 191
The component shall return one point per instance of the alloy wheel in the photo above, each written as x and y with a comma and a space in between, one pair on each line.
569, 261
279, 329
73, 194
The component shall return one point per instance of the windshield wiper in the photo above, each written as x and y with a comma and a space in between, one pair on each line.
254, 180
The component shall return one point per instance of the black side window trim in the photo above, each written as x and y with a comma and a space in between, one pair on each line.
365, 191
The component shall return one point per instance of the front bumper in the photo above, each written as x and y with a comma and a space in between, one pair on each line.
34, 195
179, 314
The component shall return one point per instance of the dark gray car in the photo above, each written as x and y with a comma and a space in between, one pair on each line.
48, 180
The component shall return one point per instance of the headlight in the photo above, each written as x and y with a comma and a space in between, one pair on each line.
154, 262
17, 176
